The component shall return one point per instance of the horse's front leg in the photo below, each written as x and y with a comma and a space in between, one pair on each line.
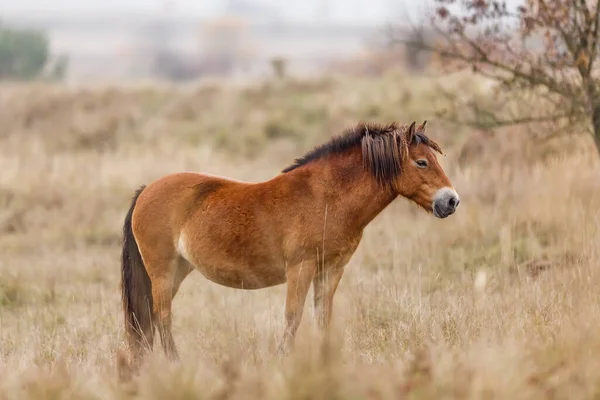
299, 278
325, 284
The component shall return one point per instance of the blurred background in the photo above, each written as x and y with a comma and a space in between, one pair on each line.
182, 40
108, 40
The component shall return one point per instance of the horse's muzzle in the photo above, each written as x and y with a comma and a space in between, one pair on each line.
445, 202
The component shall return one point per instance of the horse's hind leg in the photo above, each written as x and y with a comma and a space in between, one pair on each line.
183, 270
163, 273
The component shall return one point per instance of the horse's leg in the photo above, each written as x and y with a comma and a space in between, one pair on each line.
163, 273
164, 289
325, 284
183, 270
299, 278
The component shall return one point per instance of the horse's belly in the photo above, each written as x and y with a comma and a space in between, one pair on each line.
230, 263
242, 276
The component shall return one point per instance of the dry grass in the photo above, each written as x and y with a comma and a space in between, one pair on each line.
502, 300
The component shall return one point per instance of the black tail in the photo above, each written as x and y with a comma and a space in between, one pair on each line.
136, 289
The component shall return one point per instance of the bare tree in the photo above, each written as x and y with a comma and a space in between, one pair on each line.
543, 50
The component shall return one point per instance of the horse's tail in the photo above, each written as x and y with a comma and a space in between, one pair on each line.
136, 289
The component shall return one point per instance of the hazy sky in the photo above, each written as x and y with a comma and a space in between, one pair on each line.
305, 10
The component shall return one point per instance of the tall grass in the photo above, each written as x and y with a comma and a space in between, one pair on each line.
499, 301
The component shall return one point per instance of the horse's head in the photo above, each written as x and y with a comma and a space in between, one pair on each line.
422, 179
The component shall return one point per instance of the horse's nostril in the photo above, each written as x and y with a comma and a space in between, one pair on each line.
453, 202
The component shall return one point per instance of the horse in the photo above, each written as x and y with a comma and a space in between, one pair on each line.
301, 227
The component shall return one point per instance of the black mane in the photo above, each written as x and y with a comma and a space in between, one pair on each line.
355, 137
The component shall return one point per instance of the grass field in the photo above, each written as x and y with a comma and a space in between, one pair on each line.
501, 300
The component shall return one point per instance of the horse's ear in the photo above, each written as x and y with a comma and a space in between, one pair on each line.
410, 135
423, 127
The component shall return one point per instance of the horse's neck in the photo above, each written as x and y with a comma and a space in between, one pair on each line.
364, 200
350, 190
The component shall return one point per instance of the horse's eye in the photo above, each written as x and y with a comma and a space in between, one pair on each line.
422, 163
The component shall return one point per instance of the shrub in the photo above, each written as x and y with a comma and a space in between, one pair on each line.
24, 54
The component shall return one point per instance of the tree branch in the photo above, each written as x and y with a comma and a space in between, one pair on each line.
555, 82
594, 44
534, 80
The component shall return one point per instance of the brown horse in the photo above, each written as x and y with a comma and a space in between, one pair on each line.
300, 227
